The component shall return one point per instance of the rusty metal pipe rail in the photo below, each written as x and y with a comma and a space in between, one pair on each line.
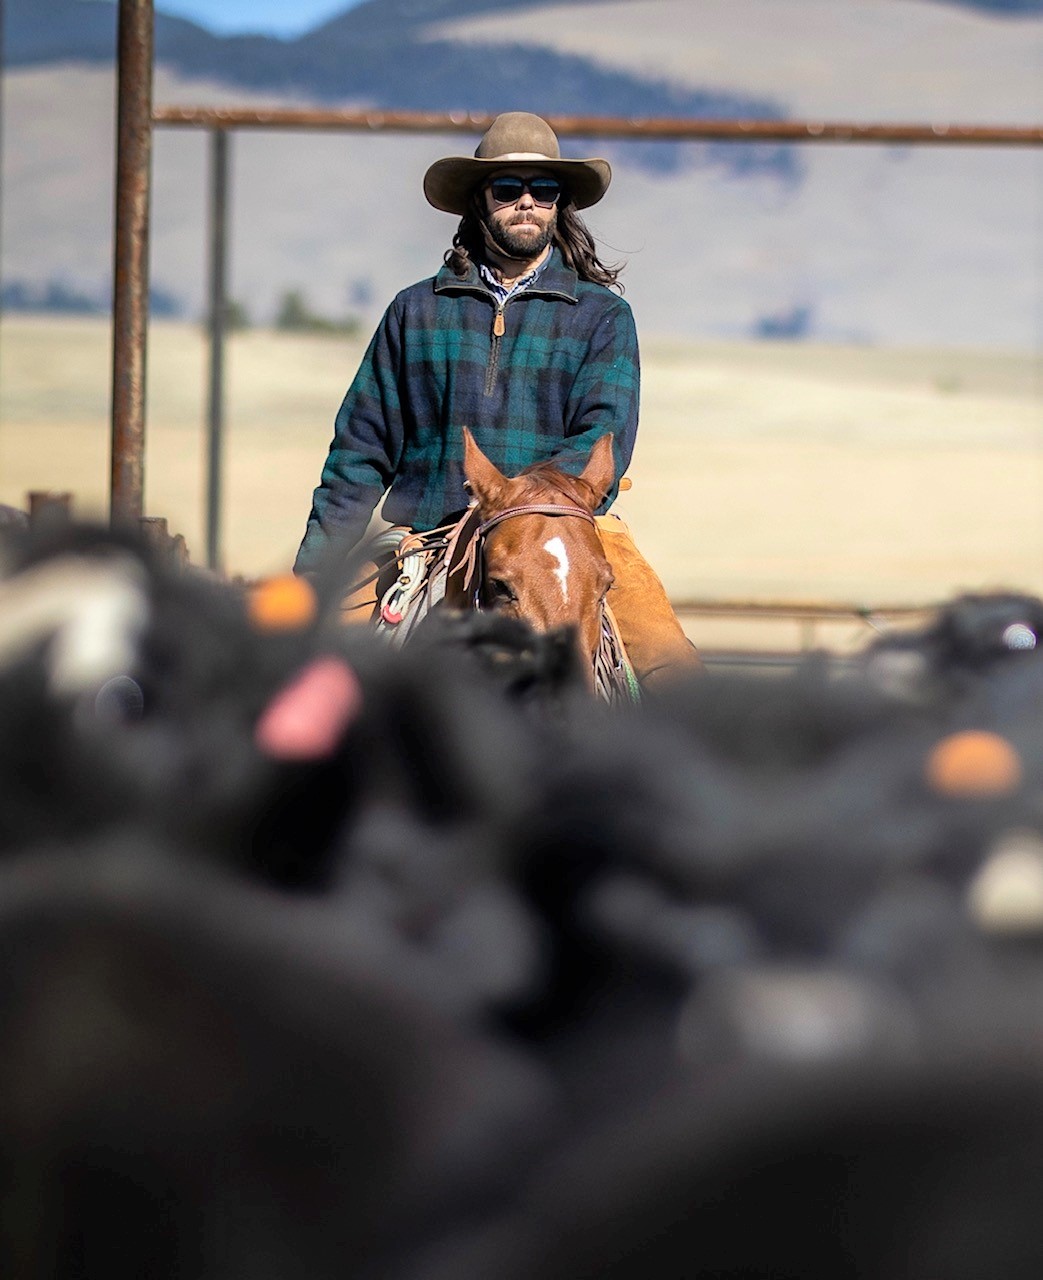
808, 615
220, 121
810, 131
801, 610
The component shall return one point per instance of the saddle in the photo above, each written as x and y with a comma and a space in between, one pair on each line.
443, 568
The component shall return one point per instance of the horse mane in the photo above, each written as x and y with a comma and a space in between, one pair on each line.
541, 476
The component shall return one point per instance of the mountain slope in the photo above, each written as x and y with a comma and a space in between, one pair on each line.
388, 53
85, 31
871, 243
380, 54
826, 59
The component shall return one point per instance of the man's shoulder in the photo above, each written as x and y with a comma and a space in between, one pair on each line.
603, 301
446, 281
415, 292
596, 301
413, 303
600, 293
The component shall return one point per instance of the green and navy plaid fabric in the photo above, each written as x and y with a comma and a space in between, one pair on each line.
563, 371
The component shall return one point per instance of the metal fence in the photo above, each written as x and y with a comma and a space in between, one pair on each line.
136, 119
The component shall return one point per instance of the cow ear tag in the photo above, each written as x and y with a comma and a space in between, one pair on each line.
285, 603
308, 717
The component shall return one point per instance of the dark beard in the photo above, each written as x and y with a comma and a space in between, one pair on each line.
521, 247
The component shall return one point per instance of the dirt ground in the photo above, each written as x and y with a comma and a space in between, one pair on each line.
767, 472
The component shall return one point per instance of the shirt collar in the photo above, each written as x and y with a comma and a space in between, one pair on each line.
502, 291
555, 279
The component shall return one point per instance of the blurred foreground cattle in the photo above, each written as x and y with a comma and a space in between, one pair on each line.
327, 959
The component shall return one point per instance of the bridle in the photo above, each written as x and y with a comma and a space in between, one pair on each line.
530, 509
610, 654
536, 509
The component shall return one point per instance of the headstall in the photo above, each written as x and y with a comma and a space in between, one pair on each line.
536, 509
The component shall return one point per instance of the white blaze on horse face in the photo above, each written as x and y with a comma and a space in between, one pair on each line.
556, 549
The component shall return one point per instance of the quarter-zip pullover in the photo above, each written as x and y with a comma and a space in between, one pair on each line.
541, 374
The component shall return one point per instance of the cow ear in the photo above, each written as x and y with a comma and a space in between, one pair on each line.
600, 471
482, 478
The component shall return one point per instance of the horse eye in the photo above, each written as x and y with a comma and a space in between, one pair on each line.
501, 591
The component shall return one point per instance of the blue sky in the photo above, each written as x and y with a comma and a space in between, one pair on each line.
270, 17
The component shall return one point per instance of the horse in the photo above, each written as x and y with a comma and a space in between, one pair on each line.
527, 548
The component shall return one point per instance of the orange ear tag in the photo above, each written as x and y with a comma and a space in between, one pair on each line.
974, 764
285, 603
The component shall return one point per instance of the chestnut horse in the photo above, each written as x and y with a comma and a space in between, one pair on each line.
528, 548
542, 559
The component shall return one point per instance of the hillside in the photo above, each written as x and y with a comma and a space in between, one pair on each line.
611, 56
378, 53
859, 59
854, 244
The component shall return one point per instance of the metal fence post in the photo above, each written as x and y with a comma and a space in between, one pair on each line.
2, 76
130, 276
217, 321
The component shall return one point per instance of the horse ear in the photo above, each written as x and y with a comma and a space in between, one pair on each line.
483, 479
600, 471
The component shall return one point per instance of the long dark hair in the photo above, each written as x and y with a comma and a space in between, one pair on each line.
570, 235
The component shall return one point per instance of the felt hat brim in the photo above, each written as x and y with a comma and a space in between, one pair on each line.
448, 183
515, 142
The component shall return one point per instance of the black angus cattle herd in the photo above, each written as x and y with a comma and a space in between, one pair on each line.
326, 960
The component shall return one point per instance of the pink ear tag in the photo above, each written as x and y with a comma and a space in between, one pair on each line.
308, 717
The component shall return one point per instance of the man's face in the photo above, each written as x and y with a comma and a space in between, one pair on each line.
524, 226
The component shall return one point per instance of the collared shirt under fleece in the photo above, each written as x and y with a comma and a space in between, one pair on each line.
542, 375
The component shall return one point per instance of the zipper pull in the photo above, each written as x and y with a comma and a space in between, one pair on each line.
498, 325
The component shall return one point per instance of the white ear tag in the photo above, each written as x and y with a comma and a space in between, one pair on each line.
96, 611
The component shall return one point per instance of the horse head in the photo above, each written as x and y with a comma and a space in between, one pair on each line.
542, 555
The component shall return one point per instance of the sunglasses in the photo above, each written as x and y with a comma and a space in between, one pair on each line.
544, 191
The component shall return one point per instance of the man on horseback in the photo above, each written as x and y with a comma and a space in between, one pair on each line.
522, 339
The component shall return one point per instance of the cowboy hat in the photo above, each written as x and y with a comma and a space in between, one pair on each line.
516, 140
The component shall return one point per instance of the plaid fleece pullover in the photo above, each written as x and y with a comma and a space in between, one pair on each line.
543, 375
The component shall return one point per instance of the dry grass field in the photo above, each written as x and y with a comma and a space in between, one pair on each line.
764, 472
